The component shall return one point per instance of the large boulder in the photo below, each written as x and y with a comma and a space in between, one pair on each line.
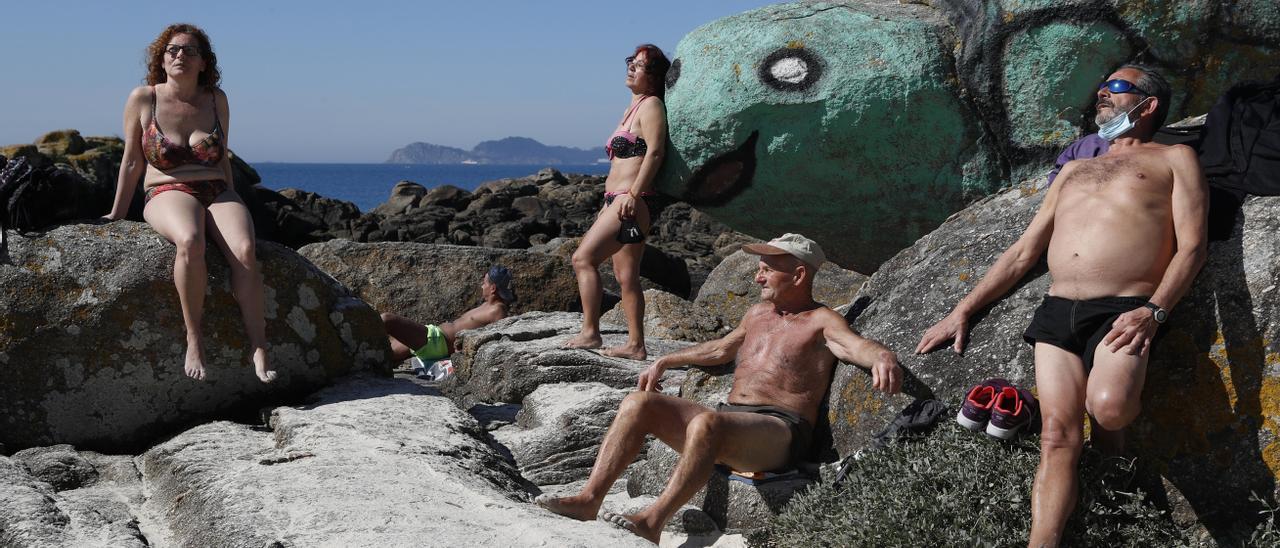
509, 359
792, 116
788, 116
1207, 424
92, 338
559, 429
371, 462
437, 283
33, 514
731, 289
667, 316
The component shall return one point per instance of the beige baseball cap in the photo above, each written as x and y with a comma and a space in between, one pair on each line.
795, 245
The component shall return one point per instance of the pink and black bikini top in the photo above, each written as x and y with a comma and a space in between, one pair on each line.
164, 154
623, 143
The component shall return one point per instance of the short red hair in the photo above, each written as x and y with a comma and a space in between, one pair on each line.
656, 65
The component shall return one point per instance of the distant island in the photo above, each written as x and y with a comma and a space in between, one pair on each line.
508, 151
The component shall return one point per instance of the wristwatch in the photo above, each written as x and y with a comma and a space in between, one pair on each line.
1160, 315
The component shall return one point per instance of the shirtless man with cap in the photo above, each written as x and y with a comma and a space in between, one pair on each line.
785, 348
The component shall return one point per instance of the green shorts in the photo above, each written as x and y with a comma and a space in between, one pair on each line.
437, 346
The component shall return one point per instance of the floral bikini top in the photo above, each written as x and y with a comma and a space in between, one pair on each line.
623, 143
164, 154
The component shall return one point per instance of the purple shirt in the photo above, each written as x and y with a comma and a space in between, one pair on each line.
1089, 146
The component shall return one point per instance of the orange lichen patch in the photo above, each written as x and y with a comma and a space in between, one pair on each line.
737, 70
964, 276
1168, 426
1270, 401
1008, 17
858, 400
795, 44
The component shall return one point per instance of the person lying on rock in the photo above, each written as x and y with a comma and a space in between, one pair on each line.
785, 347
436, 342
1125, 235
176, 130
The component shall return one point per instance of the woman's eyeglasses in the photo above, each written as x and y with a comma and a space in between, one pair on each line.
631, 63
189, 51
1121, 86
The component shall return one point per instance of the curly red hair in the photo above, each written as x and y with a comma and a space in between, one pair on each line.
210, 77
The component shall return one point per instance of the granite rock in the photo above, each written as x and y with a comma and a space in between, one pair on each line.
92, 338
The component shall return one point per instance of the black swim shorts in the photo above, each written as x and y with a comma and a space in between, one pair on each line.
801, 430
1078, 326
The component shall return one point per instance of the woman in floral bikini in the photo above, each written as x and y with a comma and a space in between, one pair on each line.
176, 131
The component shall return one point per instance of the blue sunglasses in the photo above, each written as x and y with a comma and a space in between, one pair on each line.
1121, 86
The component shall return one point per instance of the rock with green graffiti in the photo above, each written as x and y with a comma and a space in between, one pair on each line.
864, 124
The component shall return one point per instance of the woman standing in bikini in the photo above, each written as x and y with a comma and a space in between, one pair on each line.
175, 131
635, 151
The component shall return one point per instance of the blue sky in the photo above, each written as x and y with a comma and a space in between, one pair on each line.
322, 81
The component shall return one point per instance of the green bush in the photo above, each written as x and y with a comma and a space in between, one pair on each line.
957, 488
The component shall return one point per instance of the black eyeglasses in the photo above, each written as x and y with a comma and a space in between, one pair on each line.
189, 51
1121, 86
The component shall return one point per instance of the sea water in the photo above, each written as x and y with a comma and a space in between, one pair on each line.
368, 185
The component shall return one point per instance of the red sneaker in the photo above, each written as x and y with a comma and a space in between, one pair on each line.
976, 410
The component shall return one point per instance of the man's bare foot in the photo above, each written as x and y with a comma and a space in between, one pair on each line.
636, 523
577, 507
627, 351
195, 361
584, 340
261, 367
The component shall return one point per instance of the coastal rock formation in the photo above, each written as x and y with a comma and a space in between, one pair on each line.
731, 289
509, 359
559, 429
92, 338
33, 513
370, 462
667, 316
834, 94
1208, 403
437, 283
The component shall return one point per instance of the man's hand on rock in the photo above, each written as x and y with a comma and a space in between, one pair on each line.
1132, 332
886, 374
651, 378
954, 327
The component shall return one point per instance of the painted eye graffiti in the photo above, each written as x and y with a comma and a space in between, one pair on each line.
791, 69
673, 74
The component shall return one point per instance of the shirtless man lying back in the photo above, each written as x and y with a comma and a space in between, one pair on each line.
431, 342
1125, 233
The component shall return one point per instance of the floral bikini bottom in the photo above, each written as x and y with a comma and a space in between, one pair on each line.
204, 191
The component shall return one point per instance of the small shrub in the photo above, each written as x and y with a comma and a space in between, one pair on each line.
957, 488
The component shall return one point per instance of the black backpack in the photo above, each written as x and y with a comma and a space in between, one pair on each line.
33, 198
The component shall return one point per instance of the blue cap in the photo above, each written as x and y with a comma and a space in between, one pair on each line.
501, 277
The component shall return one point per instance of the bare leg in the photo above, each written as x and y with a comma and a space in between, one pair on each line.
626, 266
232, 228
745, 441
1114, 397
1060, 381
405, 335
597, 245
640, 414
180, 218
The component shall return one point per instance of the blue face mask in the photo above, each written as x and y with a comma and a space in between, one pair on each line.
1119, 125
